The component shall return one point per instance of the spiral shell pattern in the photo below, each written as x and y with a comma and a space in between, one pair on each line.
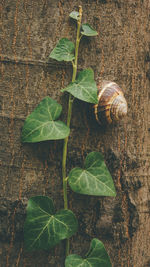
112, 105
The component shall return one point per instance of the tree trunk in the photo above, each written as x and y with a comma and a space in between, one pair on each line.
30, 30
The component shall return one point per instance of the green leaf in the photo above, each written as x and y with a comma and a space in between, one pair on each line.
43, 227
94, 179
96, 257
40, 125
74, 15
88, 30
64, 51
84, 87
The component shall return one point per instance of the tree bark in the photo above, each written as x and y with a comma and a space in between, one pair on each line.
30, 30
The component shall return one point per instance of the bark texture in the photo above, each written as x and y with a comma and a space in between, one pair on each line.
30, 30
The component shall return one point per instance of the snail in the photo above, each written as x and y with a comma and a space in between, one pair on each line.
112, 105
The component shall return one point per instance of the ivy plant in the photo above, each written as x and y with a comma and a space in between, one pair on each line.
44, 226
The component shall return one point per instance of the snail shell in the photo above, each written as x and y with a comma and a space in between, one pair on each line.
112, 105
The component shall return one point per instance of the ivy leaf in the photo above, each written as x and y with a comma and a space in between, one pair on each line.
96, 257
94, 179
43, 227
41, 124
88, 30
74, 15
84, 87
64, 51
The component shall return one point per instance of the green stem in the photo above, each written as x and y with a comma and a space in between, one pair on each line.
70, 103
65, 155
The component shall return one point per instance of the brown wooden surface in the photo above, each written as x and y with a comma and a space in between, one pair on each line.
30, 30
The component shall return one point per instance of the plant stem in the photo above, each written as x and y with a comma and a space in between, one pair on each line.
70, 102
